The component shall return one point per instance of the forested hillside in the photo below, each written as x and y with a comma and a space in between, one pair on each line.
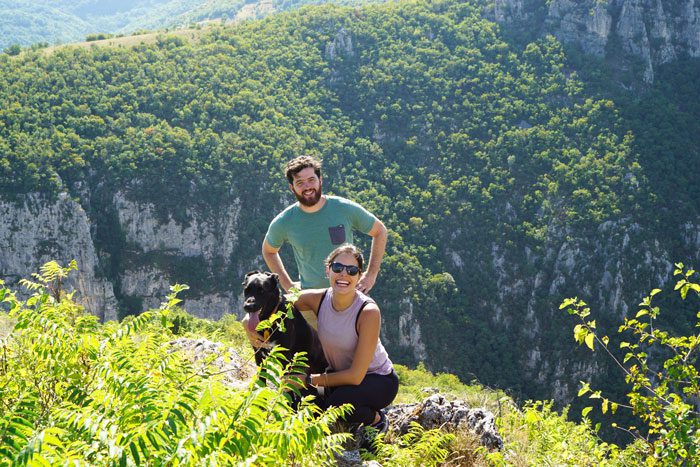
50, 22
508, 180
53, 22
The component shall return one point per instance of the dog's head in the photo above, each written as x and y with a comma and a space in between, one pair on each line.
261, 292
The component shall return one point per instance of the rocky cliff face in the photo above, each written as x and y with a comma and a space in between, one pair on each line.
630, 33
512, 291
35, 230
612, 270
158, 252
206, 239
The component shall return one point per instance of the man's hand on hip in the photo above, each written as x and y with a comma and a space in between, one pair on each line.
366, 282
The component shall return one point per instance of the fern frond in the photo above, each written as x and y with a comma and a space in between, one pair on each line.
29, 285
44, 443
418, 447
17, 426
129, 327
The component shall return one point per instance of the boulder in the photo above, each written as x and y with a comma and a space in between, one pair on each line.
236, 371
438, 412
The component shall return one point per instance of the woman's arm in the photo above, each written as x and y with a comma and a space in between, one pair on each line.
309, 299
368, 329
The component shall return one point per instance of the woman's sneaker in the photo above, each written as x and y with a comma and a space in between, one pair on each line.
369, 433
382, 425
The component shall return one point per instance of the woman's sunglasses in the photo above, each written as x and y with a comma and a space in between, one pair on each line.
338, 268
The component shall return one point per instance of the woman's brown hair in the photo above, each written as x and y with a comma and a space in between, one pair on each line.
349, 249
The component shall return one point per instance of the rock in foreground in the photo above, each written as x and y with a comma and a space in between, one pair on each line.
437, 412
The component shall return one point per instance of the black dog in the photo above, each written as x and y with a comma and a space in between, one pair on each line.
263, 297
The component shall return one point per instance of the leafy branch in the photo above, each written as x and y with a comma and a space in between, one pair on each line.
51, 277
663, 394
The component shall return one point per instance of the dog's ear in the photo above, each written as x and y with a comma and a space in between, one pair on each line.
276, 281
275, 278
245, 279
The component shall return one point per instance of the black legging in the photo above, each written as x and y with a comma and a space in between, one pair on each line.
374, 393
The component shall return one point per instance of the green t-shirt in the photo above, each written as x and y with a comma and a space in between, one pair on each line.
314, 235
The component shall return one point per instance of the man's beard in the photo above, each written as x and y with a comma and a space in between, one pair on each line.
308, 202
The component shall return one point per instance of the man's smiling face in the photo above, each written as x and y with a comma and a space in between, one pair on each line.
307, 187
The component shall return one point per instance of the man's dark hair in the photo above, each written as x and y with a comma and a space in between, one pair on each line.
298, 164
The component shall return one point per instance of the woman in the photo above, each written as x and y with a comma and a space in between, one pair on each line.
361, 372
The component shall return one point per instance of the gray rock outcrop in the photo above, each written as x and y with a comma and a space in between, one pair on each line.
589, 27
341, 45
208, 237
438, 412
35, 230
234, 369
648, 32
434, 412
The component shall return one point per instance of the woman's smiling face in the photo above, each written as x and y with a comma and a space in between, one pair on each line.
342, 282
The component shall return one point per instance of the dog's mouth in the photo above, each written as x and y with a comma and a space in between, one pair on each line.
253, 320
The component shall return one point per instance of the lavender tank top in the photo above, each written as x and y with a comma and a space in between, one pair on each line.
338, 335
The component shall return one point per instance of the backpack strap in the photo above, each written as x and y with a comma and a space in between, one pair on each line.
323, 297
359, 312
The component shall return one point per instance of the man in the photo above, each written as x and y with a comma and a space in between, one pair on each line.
317, 224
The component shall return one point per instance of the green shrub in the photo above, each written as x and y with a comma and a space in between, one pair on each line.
414, 381
662, 371
418, 447
14, 49
98, 37
73, 390
538, 435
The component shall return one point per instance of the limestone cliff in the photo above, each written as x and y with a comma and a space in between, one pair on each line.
612, 270
34, 230
158, 252
207, 239
629, 33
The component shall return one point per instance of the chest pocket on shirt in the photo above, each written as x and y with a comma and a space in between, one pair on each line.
337, 234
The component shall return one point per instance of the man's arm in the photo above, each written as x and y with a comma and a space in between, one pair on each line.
274, 263
369, 277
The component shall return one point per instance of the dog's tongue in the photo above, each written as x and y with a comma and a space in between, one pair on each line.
253, 320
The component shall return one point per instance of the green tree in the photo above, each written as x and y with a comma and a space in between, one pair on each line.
14, 49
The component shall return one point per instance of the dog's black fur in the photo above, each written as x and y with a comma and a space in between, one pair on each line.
262, 292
